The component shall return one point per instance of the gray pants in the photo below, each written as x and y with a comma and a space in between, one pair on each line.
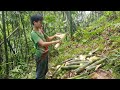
41, 67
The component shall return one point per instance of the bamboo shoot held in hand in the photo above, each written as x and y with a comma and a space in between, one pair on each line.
57, 45
62, 36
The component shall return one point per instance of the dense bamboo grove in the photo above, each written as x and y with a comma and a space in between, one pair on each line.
86, 31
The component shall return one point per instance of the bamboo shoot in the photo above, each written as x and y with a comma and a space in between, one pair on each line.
70, 67
62, 36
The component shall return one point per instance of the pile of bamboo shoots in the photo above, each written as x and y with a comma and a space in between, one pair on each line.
82, 64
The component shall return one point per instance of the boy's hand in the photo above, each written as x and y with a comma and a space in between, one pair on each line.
59, 41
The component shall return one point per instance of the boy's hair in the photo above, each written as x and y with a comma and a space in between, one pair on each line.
36, 18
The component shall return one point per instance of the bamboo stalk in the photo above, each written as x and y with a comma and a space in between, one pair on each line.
80, 69
92, 65
77, 63
98, 62
90, 68
70, 67
73, 61
57, 71
67, 60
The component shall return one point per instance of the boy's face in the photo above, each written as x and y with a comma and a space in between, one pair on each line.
38, 24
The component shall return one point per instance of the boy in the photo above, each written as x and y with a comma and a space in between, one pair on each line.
41, 42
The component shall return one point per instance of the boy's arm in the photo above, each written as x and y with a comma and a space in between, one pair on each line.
52, 37
49, 38
38, 40
42, 43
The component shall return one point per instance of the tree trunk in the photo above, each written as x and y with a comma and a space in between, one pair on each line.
26, 46
5, 45
69, 17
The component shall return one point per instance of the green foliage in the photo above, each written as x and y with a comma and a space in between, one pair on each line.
115, 38
23, 71
108, 13
49, 18
92, 31
113, 63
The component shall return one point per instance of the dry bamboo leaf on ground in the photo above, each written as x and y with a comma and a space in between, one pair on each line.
92, 52
68, 74
101, 74
79, 76
97, 67
49, 74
